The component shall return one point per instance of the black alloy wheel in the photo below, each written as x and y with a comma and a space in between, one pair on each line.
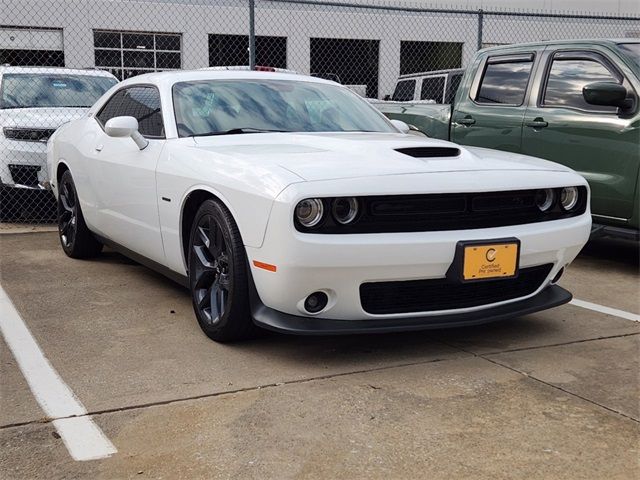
67, 213
75, 237
218, 275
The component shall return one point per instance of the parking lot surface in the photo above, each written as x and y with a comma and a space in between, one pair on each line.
550, 395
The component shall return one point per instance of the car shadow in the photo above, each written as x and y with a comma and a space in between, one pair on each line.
615, 253
359, 349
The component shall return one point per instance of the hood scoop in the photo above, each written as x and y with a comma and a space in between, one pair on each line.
430, 152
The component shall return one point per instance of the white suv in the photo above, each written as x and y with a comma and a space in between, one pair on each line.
34, 102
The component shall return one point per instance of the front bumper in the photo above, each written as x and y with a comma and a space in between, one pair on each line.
265, 317
23, 165
339, 264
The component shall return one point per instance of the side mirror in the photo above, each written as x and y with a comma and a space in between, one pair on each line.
607, 94
400, 125
122, 127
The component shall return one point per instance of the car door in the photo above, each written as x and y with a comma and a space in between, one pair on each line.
491, 115
599, 142
124, 177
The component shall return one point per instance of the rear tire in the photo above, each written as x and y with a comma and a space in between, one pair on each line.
218, 275
75, 237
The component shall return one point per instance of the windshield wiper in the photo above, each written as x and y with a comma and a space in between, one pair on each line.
236, 131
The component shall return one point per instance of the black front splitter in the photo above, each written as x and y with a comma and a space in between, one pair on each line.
271, 319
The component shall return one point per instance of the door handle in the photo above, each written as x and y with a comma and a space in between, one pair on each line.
537, 123
99, 148
467, 121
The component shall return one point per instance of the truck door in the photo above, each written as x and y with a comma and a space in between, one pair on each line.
491, 114
599, 142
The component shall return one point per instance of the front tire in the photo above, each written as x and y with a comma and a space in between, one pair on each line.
218, 275
75, 237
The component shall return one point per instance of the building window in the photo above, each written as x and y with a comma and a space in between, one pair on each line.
352, 61
126, 54
231, 50
418, 57
30, 46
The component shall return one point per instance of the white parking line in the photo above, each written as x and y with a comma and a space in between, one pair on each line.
82, 437
608, 310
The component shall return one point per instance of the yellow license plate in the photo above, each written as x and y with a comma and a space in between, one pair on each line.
499, 260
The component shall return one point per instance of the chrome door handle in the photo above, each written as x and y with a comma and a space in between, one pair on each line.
537, 123
467, 121
99, 148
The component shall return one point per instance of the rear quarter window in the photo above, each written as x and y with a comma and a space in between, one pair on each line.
404, 91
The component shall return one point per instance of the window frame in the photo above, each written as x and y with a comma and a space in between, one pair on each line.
415, 88
578, 54
129, 87
122, 50
519, 57
445, 76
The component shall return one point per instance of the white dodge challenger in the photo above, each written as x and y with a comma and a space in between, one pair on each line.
288, 202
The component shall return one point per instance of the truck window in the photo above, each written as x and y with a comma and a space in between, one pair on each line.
505, 82
404, 91
452, 87
432, 89
566, 78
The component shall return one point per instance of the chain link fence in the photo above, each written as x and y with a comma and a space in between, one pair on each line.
59, 56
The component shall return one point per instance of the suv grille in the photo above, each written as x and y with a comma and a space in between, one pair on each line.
28, 134
442, 294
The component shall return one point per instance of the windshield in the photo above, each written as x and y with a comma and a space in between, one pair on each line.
632, 50
247, 106
29, 90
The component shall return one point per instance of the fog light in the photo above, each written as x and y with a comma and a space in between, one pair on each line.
316, 302
544, 199
569, 197
556, 279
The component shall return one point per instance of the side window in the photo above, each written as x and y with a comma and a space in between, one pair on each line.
142, 103
566, 78
432, 89
505, 81
452, 87
404, 91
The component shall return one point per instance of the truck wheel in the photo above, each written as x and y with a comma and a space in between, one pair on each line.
218, 275
76, 239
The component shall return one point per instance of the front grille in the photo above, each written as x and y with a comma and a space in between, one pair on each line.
446, 211
24, 174
28, 134
441, 294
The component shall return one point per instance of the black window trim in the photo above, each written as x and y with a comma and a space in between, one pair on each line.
581, 54
504, 58
127, 87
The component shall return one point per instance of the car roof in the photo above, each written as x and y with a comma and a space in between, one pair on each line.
598, 41
93, 72
171, 77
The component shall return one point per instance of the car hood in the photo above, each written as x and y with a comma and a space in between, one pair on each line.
326, 156
47, 117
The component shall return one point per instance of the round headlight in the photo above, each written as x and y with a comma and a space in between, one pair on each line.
569, 197
309, 212
544, 199
345, 209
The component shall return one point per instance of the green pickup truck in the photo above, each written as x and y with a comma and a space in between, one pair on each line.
572, 102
